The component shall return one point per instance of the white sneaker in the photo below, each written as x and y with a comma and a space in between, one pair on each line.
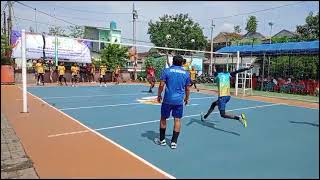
100, 85
162, 143
202, 116
105, 85
173, 145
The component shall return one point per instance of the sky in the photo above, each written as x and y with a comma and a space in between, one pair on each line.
103, 12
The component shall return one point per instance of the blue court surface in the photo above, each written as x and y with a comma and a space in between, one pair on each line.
280, 141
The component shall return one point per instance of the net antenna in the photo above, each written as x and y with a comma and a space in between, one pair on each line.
24, 71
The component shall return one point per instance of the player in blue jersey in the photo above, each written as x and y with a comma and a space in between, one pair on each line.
177, 91
223, 81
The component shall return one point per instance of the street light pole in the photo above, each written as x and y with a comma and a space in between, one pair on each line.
193, 46
168, 36
211, 49
270, 24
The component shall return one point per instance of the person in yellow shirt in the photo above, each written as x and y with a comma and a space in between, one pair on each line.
74, 73
61, 72
102, 72
193, 74
40, 72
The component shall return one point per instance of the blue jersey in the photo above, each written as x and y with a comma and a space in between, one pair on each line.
176, 79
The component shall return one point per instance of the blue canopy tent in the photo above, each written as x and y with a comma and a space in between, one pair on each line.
276, 49
308, 47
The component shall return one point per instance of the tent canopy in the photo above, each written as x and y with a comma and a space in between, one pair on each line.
308, 47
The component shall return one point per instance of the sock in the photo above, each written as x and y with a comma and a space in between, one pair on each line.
175, 136
162, 133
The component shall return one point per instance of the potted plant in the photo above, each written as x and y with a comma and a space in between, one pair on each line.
7, 64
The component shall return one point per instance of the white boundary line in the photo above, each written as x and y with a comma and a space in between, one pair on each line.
102, 95
116, 105
109, 105
259, 101
152, 121
114, 143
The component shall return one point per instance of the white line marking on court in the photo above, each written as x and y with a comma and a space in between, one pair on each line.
109, 105
261, 101
102, 95
152, 121
114, 143
116, 105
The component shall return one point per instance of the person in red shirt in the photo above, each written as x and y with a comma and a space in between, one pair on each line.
151, 77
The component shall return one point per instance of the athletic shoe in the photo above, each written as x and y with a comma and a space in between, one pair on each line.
150, 91
100, 85
173, 145
105, 85
162, 143
202, 116
243, 120
198, 90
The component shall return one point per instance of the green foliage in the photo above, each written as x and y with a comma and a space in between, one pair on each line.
300, 66
113, 55
158, 63
310, 30
76, 31
181, 28
246, 41
57, 30
285, 39
5, 50
252, 24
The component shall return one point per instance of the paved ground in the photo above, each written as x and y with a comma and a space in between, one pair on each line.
15, 164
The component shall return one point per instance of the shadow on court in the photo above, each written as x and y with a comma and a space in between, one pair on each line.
152, 134
302, 122
148, 91
210, 125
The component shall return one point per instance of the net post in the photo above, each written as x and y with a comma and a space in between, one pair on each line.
24, 70
237, 75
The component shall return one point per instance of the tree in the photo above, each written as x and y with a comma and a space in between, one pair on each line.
5, 51
57, 30
76, 31
113, 55
237, 29
159, 63
310, 30
252, 24
181, 29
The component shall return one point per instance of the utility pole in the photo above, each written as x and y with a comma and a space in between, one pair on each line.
211, 49
9, 22
270, 24
4, 30
134, 16
35, 19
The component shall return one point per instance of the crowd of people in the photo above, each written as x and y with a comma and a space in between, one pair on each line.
79, 72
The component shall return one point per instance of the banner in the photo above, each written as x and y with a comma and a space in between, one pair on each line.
69, 50
196, 62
